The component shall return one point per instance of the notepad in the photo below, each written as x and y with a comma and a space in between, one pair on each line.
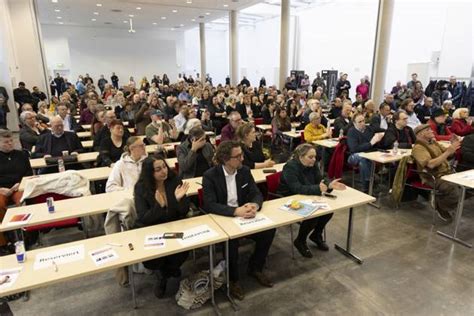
307, 208
20, 219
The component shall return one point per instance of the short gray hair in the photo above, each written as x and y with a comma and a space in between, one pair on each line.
313, 116
24, 114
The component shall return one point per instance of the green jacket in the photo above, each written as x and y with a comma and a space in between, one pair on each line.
298, 179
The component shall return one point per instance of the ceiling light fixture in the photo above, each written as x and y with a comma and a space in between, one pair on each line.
189, 1
60, 23
172, 28
99, 4
131, 30
154, 23
194, 20
138, 8
207, 13
96, 13
125, 21
93, 20
59, 17
57, 10
226, 5
163, 17
131, 15
54, 1
175, 11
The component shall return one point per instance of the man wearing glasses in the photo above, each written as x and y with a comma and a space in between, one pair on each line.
228, 131
230, 190
361, 138
399, 132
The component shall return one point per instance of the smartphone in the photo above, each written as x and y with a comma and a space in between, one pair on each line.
269, 170
173, 235
329, 195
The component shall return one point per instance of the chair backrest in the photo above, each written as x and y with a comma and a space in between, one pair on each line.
302, 137
176, 148
273, 181
258, 121
42, 198
176, 167
200, 197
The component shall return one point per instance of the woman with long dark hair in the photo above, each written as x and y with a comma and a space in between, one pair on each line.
160, 197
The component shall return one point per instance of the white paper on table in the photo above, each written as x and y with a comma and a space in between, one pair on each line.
103, 255
59, 256
197, 234
259, 220
12, 276
154, 241
469, 176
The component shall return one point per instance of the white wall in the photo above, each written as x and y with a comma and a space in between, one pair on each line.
102, 50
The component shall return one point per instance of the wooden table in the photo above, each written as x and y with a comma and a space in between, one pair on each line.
382, 158
95, 204
464, 180
88, 134
37, 163
292, 135
347, 199
29, 278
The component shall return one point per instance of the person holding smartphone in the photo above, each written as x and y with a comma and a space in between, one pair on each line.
160, 197
195, 154
301, 175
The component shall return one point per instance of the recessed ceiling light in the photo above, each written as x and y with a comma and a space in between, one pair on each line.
163, 17
60, 23
226, 5
131, 15
172, 28
99, 4
207, 13
138, 8
154, 23
54, 1
93, 20
189, 1
125, 21
194, 20
181, 25
57, 10
96, 13
59, 17
175, 11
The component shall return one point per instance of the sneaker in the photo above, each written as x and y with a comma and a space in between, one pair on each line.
236, 291
302, 248
261, 278
444, 215
320, 243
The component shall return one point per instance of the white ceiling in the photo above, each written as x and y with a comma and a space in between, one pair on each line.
152, 13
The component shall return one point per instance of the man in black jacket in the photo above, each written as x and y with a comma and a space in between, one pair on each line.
247, 108
399, 131
23, 95
230, 190
343, 122
69, 121
379, 122
30, 130
425, 111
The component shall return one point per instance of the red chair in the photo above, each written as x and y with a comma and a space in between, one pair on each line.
273, 181
258, 121
176, 167
71, 222
200, 198
302, 137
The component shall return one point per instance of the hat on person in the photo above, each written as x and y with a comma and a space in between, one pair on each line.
437, 112
156, 112
420, 128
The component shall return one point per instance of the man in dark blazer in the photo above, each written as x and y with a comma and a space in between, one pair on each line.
343, 122
380, 122
230, 190
69, 121
246, 106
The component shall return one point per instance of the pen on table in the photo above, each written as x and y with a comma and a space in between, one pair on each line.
199, 183
114, 244
55, 267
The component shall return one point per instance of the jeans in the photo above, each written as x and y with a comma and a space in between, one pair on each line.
365, 166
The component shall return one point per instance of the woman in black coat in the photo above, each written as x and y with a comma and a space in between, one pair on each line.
301, 175
160, 197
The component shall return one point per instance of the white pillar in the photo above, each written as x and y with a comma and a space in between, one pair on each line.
284, 41
202, 45
381, 49
233, 48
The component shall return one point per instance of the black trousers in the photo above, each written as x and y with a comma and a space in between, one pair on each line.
263, 241
169, 265
317, 224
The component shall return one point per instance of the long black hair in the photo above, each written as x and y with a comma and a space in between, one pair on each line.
147, 179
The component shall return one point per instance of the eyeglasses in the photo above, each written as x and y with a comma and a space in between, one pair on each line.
360, 122
237, 156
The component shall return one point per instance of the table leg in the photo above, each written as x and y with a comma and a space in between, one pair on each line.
347, 251
322, 160
131, 280
371, 185
457, 221
211, 279
227, 272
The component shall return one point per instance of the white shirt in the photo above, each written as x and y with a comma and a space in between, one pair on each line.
231, 185
383, 122
180, 121
413, 121
66, 121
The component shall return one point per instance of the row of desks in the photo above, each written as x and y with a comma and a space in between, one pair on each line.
97, 203
224, 228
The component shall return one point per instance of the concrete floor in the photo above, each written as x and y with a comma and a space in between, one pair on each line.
408, 270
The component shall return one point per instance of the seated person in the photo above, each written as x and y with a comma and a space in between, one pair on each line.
30, 130
159, 131
343, 122
195, 154
268, 111
42, 119
361, 138
53, 144
126, 170
97, 122
14, 165
218, 114
181, 118
408, 106
425, 111
380, 121
69, 121
438, 125
398, 131
301, 175
433, 158
314, 106
111, 148
462, 124
336, 109
206, 122
317, 131
246, 109
160, 197
228, 131
467, 152
253, 153
104, 132
230, 190
88, 113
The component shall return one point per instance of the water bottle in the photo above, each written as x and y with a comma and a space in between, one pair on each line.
20, 251
395, 148
61, 167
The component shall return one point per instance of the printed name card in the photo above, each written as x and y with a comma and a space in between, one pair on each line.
154, 241
8, 277
103, 255
197, 234
59, 256
259, 220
